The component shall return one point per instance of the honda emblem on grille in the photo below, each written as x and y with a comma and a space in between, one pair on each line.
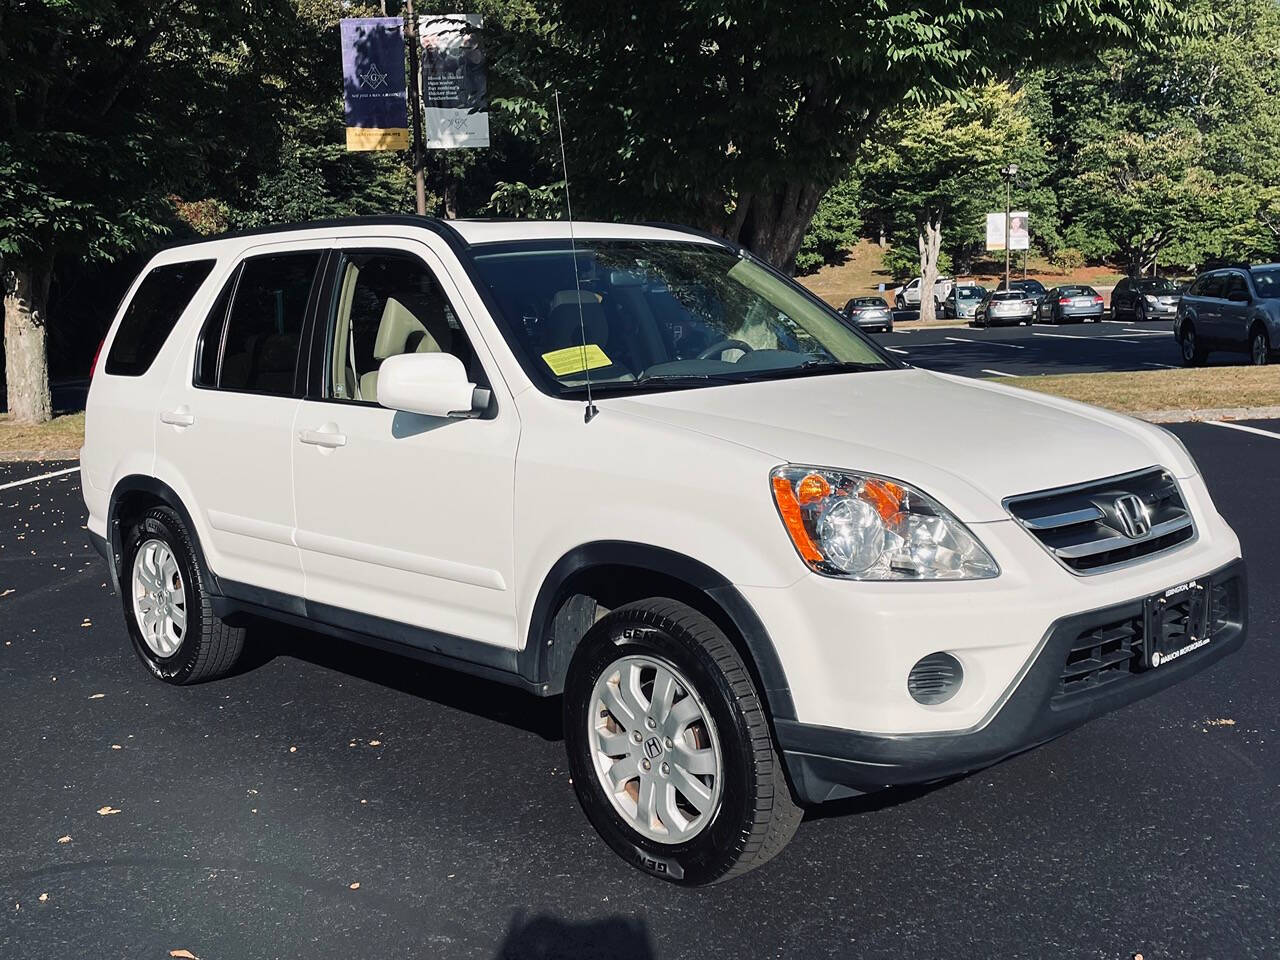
1134, 517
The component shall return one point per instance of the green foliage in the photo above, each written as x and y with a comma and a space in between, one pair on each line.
835, 227
1067, 259
903, 262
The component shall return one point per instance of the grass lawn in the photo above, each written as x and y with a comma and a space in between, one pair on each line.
60, 433
1150, 390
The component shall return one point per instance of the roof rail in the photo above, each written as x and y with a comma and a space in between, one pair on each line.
434, 224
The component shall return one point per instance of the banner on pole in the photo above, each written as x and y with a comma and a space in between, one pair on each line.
374, 86
453, 83
1019, 230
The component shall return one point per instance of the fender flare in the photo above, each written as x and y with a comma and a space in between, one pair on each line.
543, 660
140, 483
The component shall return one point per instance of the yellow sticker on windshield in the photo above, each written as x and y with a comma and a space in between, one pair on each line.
576, 359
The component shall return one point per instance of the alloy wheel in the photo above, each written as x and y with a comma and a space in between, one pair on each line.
655, 749
159, 598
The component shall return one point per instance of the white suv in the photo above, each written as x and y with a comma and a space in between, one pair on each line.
766, 563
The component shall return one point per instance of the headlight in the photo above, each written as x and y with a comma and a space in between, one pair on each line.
1151, 300
861, 527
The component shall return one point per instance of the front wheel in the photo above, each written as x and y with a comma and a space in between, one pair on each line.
669, 746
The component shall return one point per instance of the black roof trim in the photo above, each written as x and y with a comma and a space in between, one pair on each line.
434, 224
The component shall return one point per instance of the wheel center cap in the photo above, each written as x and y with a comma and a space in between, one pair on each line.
653, 748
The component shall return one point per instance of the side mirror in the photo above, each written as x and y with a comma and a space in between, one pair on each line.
1239, 296
432, 384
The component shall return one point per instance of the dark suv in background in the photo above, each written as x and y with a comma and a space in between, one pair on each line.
1145, 298
1032, 289
1235, 309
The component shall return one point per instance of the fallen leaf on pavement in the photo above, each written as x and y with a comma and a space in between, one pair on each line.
107, 811
183, 954
355, 886
375, 743
66, 839
116, 746
97, 696
44, 898
293, 749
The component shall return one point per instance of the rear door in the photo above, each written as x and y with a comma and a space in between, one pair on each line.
226, 416
1209, 303
403, 517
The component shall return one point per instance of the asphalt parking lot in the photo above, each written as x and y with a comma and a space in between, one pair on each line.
333, 801
1040, 349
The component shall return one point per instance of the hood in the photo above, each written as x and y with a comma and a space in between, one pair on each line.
967, 443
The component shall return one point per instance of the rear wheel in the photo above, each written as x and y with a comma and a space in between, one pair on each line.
1259, 347
1140, 311
166, 604
1192, 352
670, 749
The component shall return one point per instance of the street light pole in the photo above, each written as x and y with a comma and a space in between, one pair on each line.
1008, 172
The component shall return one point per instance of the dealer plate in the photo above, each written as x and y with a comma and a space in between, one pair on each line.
1176, 623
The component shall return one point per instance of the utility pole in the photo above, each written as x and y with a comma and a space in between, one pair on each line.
415, 105
1008, 172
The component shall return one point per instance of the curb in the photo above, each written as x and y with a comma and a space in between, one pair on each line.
15, 456
1208, 413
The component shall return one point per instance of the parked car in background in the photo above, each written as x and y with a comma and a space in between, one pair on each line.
1145, 298
870, 313
1005, 307
1236, 309
908, 297
962, 301
1032, 288
1071, 303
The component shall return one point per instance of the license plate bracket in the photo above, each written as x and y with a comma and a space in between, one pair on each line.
1176, 622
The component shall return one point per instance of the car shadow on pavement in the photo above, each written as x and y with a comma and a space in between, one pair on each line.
546, 937
879, 800
451, 688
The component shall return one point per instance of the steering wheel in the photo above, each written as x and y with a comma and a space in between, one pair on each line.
721, 346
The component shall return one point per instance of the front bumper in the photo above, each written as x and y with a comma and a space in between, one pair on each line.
826, 763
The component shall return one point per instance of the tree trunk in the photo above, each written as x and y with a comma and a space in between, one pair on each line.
930, 242
772, 225
26, 367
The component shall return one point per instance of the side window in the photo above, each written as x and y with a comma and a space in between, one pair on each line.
264, 323
386, 304
1195, 290
1236, 284
209, 346
1213, 285
156, 306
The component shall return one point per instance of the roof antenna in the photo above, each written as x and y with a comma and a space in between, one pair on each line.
577, 282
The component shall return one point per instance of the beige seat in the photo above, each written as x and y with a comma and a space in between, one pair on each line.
400, 331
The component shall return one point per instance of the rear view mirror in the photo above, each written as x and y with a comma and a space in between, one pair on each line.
431, 384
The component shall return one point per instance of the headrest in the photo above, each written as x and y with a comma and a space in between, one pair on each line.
395, 329
571, 320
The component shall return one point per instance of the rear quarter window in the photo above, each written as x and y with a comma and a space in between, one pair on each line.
151, 315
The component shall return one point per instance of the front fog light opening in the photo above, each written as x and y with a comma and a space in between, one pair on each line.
935, 679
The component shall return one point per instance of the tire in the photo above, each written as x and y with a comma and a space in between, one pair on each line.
749, 814
1259, 347
1190, 349
1140, 312
206, 647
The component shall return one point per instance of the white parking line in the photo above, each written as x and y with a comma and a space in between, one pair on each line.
43, 476
1121, 322
895, 350
992, 343
1001, 373
1246, 429
1148, 332
1063, 336
1165, 366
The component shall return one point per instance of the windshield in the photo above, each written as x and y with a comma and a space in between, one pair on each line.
1029, 286
1008, 295
1157, 285
1267, 281
1077, 291
660, 314
868, 302
970, 293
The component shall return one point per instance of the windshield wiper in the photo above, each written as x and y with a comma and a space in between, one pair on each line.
668, 379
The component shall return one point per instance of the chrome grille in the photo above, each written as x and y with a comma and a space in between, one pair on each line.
1085, 527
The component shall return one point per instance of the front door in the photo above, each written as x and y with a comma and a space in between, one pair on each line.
400, 516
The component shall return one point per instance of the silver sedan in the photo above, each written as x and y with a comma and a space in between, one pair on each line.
1005, 307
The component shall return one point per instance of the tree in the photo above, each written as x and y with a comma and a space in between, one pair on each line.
106, 109
834, 228
938, 167
741, 118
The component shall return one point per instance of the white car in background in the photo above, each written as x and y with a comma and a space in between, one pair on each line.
763, 563
908, 297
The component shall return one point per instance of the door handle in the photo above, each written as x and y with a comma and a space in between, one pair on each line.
178, 418
323, 438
